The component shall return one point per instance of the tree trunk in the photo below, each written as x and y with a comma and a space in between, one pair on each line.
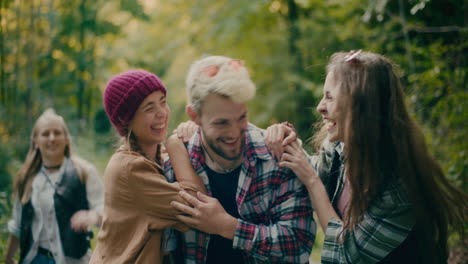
30, 80
294, 35
51, 36
3, 92
92, 69
409, 54
301, 102
82, 63
15, 83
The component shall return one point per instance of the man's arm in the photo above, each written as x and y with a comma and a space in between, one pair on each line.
288, 232
284, 229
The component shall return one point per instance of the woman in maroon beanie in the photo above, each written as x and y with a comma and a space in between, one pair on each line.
137, 195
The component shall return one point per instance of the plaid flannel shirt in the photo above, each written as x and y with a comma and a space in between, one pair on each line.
276, 222
383, 228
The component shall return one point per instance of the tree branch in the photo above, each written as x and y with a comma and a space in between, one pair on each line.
441, 29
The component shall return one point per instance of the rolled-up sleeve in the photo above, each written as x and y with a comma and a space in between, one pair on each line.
383, 228
14, 223
322, 161
289, 236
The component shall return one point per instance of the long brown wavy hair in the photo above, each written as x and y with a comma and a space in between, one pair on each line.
22, 183
383, 144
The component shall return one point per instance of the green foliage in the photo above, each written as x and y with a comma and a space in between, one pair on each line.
134, 8
61, 53
101, 122
5, 209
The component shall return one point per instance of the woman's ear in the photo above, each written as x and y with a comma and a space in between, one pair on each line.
192, 114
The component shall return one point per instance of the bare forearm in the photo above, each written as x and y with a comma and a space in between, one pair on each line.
13, 245
229, 227
183, 169
321, 203
295, 159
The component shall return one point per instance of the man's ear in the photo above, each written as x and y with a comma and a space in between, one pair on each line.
192, 114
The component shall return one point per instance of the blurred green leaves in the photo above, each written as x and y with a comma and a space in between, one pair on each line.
61, 53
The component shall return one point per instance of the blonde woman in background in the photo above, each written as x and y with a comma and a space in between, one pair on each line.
57, 198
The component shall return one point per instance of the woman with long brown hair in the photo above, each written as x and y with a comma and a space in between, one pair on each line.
378, 193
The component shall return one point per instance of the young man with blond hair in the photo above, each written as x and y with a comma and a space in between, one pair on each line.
257, 212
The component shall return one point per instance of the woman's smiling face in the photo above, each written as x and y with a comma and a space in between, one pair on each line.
51, 139
331, 110
151, 119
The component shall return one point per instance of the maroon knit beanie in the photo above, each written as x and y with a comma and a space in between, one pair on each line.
125, 92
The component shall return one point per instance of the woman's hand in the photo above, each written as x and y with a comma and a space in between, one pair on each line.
295, 159
84, 219
174, 143
277, 137
206, 214
185, 130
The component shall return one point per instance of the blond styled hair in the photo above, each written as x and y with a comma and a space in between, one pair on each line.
218, 75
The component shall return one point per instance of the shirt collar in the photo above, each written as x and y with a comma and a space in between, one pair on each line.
339, 148
255, 147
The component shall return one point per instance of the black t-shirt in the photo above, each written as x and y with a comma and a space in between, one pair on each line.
223, 187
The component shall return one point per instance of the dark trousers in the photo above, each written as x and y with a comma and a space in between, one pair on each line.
43, 257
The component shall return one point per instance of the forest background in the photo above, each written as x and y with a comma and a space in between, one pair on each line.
61, 53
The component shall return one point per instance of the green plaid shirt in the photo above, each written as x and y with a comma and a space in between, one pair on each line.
383, 228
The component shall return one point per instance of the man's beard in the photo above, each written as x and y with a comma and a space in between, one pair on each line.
220, 151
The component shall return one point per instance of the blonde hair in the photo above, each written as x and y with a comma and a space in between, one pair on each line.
22, 183
219, 75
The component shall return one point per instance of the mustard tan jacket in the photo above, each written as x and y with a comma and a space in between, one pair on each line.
136, 210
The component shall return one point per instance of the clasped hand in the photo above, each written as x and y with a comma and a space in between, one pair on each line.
284, 146
205, 214
277, 137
